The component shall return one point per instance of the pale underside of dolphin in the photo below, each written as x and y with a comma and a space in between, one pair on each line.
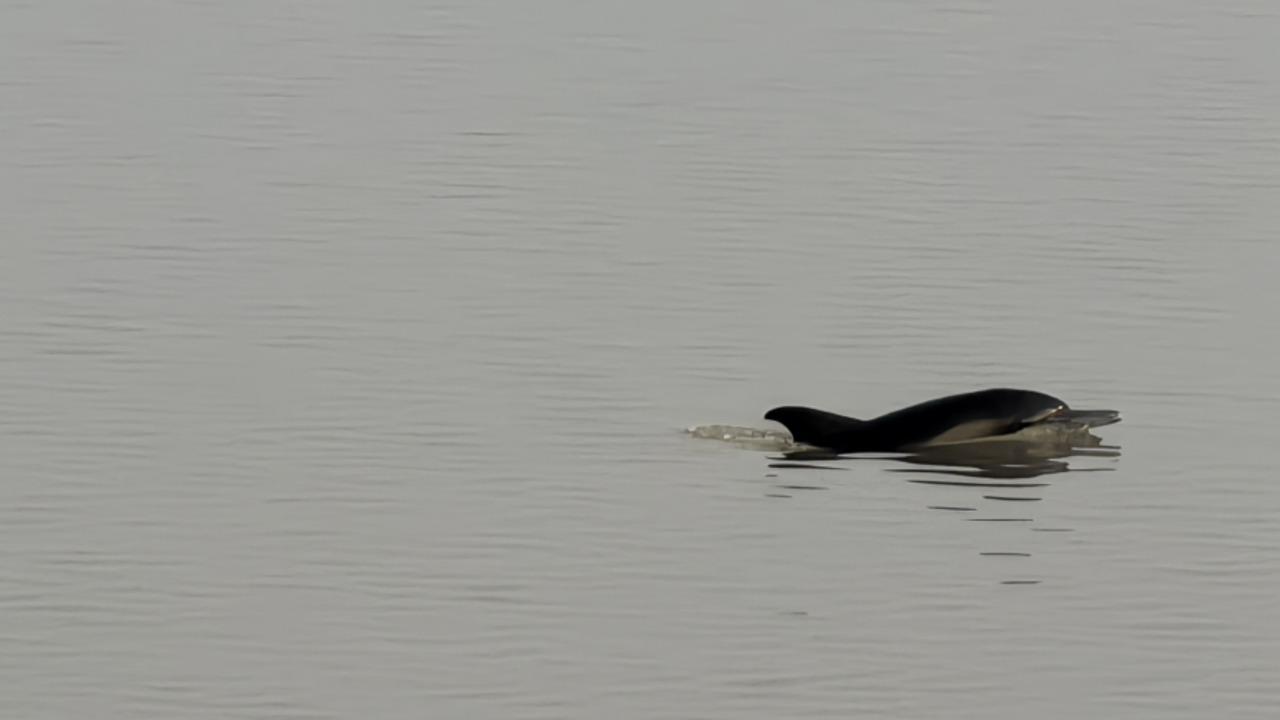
968, 417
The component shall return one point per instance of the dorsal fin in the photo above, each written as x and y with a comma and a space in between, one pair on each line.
810, 426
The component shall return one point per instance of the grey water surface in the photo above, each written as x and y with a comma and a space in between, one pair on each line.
348, 352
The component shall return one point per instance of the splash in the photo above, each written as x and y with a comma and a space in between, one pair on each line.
745, 437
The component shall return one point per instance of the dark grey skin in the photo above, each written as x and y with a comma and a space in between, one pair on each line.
956, 418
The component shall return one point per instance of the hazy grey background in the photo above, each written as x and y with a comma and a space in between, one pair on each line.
345, 349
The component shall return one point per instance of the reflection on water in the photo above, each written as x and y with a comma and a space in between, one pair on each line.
1007, 464
1003, 465
1007, 461
1027, 456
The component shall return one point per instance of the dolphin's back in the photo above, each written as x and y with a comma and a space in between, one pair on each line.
966, 416
955, 418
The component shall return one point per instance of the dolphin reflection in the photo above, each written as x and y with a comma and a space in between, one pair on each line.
1002, 460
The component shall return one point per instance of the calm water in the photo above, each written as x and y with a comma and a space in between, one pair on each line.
346, 355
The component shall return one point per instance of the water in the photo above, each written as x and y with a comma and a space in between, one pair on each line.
347, 355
